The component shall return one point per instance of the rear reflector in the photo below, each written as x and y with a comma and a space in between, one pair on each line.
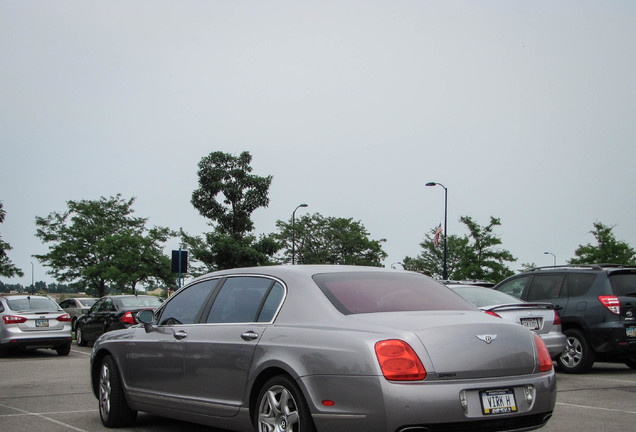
398, 361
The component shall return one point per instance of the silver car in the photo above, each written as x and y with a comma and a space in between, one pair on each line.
327, 348
30, 322
538, 317
76, 307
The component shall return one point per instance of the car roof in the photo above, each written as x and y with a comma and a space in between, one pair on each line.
581, 267
301, 270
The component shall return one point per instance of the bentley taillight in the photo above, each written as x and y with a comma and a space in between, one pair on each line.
398, 361
545, 361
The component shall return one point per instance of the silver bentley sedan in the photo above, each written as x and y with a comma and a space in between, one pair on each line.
324, 348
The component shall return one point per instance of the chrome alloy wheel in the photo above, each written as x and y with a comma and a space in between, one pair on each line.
573, 353
278, 411
105, 391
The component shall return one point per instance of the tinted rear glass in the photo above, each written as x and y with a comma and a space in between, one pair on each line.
485, 296
369, 292
36, 304
139, 302
623, 284
579, 283
88, 302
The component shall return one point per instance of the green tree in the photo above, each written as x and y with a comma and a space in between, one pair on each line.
96, 242
7, 268
431, 260
607, 250
329, 240
227, 195
476, 255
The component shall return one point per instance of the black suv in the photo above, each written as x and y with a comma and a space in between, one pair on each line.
596, 304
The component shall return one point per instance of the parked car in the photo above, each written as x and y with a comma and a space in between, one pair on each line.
538, 317
76, 307
596, 304
111, 313
31, 322
329, 348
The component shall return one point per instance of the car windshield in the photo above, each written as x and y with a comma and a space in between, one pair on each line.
485, 296
623, 284
139, 302
26, 304
87, 302
369, 292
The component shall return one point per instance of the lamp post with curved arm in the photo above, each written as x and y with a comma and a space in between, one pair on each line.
294, 232
553, 256
445, 270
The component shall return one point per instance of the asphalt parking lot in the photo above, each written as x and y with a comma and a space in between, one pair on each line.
42, 391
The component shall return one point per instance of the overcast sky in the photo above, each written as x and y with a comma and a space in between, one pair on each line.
524, 110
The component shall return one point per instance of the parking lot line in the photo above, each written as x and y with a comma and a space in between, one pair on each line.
44, 416
595, 408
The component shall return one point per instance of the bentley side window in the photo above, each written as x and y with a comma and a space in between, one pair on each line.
241, 299
184, 307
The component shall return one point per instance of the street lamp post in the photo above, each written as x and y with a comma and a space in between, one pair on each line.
32, 280
294, 232
445, 269
553, 256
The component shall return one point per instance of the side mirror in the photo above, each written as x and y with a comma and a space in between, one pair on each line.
85, 311
146, 317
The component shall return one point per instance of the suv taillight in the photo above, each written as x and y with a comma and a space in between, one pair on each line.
128, 318
557, 319
12, 319
611, 303
398, 361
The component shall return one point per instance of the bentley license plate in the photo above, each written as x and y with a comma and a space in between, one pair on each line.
500, 401
42, 323
531, 323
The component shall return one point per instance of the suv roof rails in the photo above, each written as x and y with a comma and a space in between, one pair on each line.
599, 266
566, 266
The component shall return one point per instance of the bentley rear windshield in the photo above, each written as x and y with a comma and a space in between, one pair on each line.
370, 292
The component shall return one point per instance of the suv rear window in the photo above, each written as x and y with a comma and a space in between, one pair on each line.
623, 284
362, 292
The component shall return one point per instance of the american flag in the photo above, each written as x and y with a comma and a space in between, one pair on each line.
438, 231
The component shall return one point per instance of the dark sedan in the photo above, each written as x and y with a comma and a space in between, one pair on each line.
111, 313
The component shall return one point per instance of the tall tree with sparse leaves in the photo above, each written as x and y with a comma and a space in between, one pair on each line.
607, 250
227, 195
100, 242
7, 268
